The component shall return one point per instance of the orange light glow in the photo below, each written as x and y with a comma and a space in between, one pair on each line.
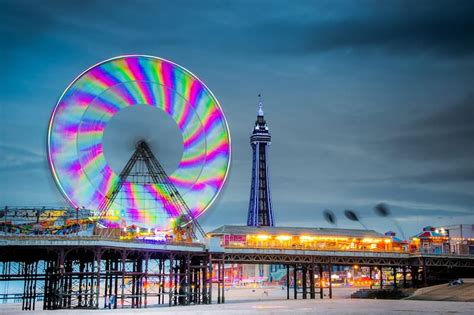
283, 237
306, 238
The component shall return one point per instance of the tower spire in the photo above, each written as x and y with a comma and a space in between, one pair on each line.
260, 205
260, 105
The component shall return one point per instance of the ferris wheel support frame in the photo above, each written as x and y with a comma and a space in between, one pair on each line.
159, 176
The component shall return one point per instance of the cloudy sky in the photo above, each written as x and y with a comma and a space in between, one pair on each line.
367, 101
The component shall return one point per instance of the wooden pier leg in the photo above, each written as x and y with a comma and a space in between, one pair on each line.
170, 289
223, 280
107, 285
414, 276
204, 287
304, 279
70, 269
98, 258
287, 282
139, 280
177, 276
394, 271
187, 280
311, 282
425, 274
147, 259
80, 299
25, 298
321, 287
161, 280
404, 276
370, 276
24, 304
116, 281
210, 279
330, 280
134, 282
295, 281
218, 283
122, 287
381, 277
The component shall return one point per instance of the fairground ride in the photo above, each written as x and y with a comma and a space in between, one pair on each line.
142, 197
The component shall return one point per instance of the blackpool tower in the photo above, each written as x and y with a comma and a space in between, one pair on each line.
260, 204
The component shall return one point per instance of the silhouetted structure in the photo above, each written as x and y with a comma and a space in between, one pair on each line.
260, 204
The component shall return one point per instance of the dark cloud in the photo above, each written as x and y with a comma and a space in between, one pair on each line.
15, 159
358, 96
455, 118
21, 24
22, 167
434, 177
445, 135
402, 27
6, 150
261, 28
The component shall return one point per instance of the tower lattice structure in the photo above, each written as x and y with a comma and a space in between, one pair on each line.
260, 204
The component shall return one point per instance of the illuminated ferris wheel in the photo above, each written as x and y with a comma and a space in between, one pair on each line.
82, 171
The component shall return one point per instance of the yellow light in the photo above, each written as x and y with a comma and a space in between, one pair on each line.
306, 238
387, 240
263, 237
283, 237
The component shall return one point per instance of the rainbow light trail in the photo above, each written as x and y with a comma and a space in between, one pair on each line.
78, 122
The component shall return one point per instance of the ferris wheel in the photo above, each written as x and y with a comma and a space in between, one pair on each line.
82, 171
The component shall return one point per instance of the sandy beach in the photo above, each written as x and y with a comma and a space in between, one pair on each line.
272, 301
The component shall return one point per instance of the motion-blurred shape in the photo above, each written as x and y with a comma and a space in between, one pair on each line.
330, 217
353, 216
383, 210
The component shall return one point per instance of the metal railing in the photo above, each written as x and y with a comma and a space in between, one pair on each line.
92, 238
296, 246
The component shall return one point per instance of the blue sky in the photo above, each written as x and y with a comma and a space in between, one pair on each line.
367, 101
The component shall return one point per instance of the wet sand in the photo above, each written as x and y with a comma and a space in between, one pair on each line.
273, 301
